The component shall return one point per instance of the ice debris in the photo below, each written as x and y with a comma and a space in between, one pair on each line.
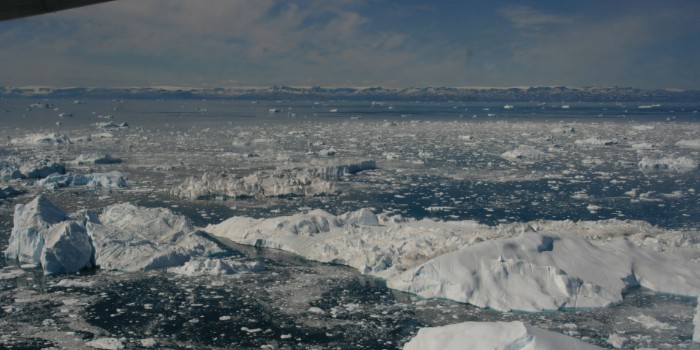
124, 237
492, 335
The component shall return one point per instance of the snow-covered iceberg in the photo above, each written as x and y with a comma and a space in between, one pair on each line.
492, 336
123, 237
537, 271
533, 266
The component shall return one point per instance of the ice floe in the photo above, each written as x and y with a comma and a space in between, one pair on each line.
492, 335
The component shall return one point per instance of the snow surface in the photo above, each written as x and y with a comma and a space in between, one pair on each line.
492, 336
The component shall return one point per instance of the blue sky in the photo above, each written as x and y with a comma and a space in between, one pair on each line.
211, 43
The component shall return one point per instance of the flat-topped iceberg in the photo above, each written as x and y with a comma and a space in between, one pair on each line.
524, 154
492, 336
95, 159
123, 237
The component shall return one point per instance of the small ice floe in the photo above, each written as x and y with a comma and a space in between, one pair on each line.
594, 141
8, 191
651, 323
96, 159
112, 125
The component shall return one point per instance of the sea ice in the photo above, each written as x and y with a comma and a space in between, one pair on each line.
492, 335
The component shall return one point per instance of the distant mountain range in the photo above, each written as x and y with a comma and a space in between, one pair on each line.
557, 94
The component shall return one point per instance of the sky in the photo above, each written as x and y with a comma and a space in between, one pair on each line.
338, 43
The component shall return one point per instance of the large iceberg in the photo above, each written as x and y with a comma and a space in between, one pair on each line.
533, 266
537, 271
680, 164
492, 336
123, 237
34, 167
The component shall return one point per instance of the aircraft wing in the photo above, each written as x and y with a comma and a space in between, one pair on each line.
11, 9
